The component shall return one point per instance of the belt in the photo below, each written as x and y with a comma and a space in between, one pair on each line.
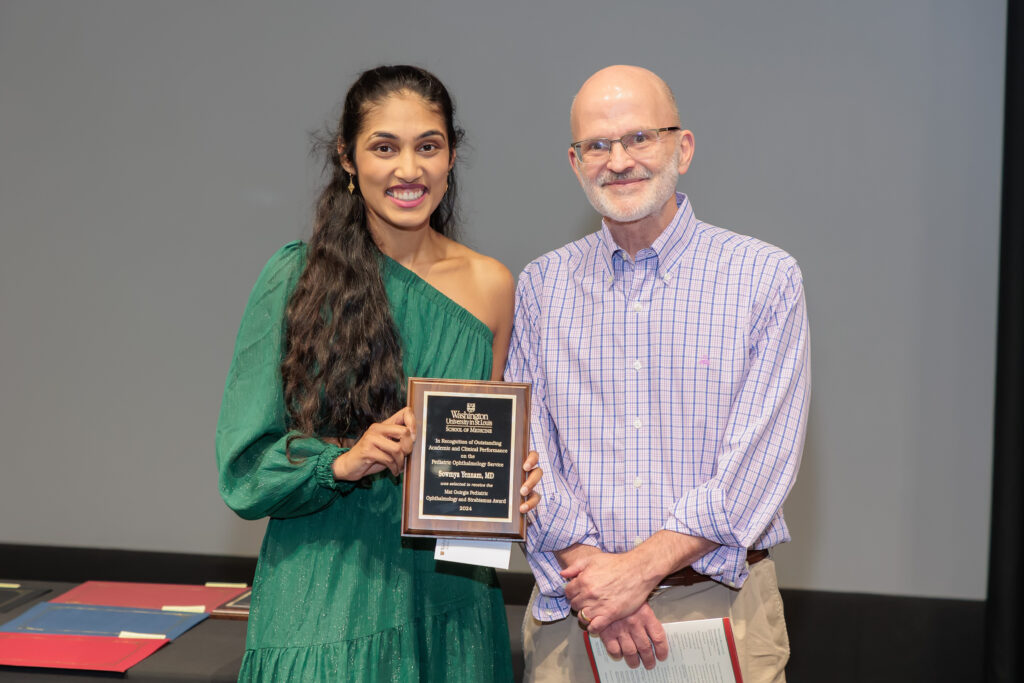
687, 576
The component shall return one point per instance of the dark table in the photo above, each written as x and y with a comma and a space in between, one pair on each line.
211, 651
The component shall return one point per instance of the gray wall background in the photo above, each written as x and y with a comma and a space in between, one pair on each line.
153, 155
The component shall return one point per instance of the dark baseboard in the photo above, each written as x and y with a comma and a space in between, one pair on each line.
851, 637
59, 563
834, 637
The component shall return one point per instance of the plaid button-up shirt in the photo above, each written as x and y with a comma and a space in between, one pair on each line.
669, 392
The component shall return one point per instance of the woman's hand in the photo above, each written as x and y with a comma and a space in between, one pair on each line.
535, 473
383, 446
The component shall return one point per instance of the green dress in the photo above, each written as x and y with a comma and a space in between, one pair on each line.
338, 594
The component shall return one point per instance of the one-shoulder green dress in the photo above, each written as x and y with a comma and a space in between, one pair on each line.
338, 594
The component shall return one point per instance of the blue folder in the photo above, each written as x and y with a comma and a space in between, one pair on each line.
100, 620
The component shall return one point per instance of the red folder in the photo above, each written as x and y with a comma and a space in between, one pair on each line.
96, 653
727, 623
149, 595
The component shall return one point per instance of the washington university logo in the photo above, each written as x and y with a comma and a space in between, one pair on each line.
470, 407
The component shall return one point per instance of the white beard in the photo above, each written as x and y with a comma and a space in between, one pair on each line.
623, 210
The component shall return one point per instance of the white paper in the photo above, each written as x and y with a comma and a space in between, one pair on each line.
194, 609
144, 636
495, 554
223, 584
698, 652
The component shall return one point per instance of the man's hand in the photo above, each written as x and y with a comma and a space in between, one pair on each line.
608, 586
634, 636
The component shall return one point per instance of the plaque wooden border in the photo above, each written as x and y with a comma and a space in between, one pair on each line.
415, 524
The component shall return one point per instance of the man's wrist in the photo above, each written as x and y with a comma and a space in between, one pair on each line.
652, 564
567, 556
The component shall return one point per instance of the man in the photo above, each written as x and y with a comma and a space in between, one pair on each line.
671, 376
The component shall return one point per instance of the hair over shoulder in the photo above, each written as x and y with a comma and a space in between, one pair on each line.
342, 369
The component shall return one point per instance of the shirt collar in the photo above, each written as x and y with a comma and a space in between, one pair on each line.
669, 245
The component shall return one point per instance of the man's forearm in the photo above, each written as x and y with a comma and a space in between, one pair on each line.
666, 552
661, 554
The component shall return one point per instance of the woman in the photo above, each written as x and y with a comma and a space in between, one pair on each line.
313, 432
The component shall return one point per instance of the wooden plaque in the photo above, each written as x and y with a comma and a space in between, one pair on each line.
463, 477
235, 608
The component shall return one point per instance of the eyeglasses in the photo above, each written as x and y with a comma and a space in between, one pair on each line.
598, 150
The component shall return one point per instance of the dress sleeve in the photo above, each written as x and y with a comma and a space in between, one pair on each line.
763, 440
257, 479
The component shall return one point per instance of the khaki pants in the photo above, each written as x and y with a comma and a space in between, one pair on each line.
555, 652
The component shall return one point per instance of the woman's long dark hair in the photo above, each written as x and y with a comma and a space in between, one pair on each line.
342, 369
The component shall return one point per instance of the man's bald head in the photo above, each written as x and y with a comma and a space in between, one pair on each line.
614, 86
631, 184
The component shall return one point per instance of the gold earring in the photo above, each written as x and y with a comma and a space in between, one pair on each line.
351, 185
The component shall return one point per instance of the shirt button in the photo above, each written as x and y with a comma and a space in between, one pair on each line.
637, 365
637, 482
637, 541
637, 306
549, 612
666, 277
637, 423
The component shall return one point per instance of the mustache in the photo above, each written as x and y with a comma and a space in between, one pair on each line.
635, 173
